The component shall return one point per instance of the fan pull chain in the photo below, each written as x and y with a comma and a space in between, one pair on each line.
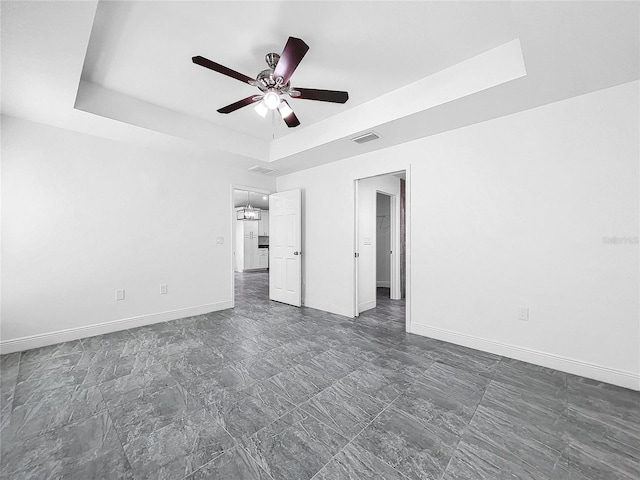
273, 124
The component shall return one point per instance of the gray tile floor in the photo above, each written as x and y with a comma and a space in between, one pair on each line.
268, 391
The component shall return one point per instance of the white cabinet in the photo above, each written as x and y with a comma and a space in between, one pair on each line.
263, 223
247, 251
263, 258
251, 246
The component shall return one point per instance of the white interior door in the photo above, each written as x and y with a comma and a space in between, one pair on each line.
285, 252
365, 236
366, 244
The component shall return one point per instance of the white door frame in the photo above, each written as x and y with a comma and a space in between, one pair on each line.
356, 250
407, 249
394, 241
232, 234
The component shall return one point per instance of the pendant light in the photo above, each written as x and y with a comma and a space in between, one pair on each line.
248, 212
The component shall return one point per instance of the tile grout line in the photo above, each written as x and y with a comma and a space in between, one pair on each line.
186, 477
256, 461
113, 424
15, 386
479, 404
560, 453
368, 424
108, 410
356, 436
237, 441
471, 419
236, 446
565, 418
299, 407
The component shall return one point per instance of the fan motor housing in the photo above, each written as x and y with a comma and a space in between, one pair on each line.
272, 60
266, 81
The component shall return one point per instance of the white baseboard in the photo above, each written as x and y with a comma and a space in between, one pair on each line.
557, 362
51, 338
383, 284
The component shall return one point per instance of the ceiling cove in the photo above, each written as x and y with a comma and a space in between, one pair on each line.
124, 70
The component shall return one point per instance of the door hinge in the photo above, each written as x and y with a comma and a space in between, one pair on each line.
357, 255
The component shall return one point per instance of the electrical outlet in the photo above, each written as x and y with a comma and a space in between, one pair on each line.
119, 295
523, 314
163, 289
220, 240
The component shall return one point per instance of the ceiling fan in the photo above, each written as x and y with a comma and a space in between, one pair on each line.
274, 83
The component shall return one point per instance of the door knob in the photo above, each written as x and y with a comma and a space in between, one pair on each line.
296, 253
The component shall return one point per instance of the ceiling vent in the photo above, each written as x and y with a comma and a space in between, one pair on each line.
262, 170
367, 137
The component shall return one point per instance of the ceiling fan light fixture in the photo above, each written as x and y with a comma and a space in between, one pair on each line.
271, 100
284, 109
261, 109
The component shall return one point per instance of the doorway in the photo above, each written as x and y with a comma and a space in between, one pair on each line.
266, 245
381, 246
250, 243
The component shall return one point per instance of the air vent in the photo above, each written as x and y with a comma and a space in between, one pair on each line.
262, 170
367, 137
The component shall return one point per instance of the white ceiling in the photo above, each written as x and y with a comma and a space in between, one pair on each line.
144, 50
126, 67
258, 200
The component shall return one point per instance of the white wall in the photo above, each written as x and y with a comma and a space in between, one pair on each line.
506, 214
84, 216
383, 240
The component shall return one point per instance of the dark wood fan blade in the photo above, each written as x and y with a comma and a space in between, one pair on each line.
239, 104
216, 67
288, 116
293, 52
335, 96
